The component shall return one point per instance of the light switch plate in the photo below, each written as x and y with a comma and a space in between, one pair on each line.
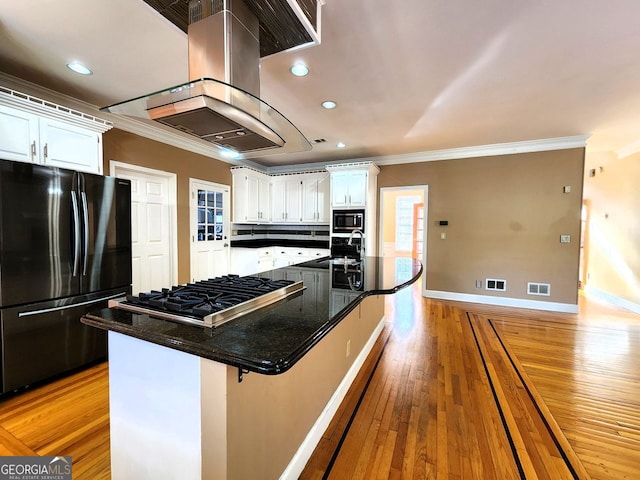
565, 238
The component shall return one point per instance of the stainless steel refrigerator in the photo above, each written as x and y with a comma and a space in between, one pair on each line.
65, 249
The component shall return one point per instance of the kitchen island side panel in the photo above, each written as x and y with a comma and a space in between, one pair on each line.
155, 410
269, 416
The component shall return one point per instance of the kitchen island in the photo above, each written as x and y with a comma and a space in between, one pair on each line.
251, 397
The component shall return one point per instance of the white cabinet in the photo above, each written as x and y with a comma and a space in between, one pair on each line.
250, 196
285, 256
286, 194
349, 188
265, 259
315, 198
18, 134
27, 137
244, 261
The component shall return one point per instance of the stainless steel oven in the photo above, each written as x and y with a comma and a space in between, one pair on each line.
346, 221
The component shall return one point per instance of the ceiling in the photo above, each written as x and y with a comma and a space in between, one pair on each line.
410, 76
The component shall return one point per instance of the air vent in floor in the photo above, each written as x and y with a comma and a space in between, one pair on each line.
539, 289
495, 284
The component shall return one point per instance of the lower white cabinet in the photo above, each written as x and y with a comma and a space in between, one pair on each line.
249, 261
285, 256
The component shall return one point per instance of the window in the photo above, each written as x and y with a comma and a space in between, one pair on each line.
404, 222
210, 218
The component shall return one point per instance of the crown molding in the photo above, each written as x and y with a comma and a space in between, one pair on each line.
512, 148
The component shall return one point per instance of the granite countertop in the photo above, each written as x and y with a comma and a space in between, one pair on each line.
272, 339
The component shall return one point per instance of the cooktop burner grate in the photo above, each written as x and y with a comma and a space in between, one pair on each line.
210, 302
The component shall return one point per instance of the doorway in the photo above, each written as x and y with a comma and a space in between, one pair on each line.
153, 226
403, 222
210, 224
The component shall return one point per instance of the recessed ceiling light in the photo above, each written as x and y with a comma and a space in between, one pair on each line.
341, 145
329, 104
79, 68
299, 70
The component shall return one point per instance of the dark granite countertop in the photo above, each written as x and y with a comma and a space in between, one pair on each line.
274, 338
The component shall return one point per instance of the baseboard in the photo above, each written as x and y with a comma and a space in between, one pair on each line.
612, 299
502, 301
301, 457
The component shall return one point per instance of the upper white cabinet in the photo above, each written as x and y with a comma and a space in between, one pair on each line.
354, 185
315, 198
35, 131
286, 199
299, 198
68, 146
349, 188
18, 131
251, 196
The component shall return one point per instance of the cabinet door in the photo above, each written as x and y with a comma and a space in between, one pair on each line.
278, 201
18, 135
264, 197
357, 185
339, 189
68, 146
253, 198
322, 196
240, 192
309, 199
293, 212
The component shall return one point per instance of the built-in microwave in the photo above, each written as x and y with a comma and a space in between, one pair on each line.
346, 221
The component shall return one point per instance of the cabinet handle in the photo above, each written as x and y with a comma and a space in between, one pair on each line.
33, 149
46, 150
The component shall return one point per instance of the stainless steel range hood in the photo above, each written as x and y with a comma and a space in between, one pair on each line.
220, 103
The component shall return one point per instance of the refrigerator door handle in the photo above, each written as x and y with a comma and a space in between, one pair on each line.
76, 233
73, 305
85, 221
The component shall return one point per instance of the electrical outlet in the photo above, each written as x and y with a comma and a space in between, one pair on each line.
348, 347
565, 238
478, 283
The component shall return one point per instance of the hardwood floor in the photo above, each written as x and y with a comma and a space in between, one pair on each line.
67, 417
450, 391
466, 391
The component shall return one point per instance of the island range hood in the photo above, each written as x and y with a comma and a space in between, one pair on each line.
220, 103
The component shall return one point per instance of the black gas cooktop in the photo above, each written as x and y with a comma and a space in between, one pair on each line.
210, 302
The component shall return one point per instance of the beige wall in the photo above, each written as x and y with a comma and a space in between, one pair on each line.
612, 252
506, 214
129, 148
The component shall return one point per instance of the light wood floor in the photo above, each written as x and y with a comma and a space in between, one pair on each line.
450, 391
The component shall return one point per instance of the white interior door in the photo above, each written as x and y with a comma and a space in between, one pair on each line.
210, 224
153, 226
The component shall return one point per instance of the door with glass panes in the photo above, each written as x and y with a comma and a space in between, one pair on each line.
209, 212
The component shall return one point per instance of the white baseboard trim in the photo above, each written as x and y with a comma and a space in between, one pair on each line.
301, 457
611, 298
502, 301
